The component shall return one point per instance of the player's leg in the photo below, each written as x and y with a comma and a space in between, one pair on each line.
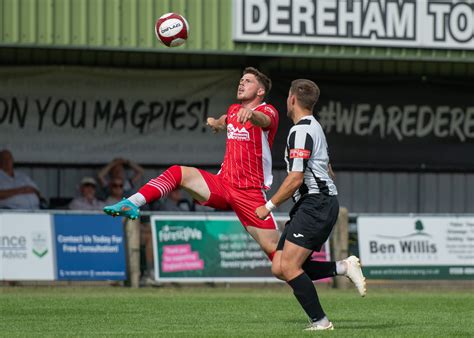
293, 257
266, 238
276, 261
171, 179
308, 229
265, 232
325, 213
349, 267
314, 269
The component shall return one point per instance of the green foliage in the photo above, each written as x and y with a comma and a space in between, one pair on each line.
419, 225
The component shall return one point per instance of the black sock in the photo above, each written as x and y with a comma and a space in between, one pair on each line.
305, 292
319, 270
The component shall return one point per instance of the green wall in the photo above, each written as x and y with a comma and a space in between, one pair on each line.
128, 25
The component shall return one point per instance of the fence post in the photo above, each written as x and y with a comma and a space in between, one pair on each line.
340, 244
132, 229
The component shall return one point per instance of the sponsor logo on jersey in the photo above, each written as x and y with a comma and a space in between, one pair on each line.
237, 134
300, 153
270, 110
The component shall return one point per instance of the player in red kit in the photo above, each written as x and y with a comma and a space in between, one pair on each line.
245, 172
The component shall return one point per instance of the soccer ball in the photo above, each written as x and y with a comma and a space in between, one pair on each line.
172, 29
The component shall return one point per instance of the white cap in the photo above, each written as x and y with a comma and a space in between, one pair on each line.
88, 180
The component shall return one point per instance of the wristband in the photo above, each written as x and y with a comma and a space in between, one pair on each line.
269, 205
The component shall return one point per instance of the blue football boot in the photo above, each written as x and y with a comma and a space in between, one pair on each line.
123, 208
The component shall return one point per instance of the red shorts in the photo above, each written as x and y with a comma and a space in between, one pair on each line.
242, 201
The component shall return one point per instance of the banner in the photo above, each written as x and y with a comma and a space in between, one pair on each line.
387, 23
26, 247
90, 247
424, 247
210, 249
92, 115
388, 123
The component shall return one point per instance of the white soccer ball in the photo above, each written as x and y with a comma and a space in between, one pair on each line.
172, 29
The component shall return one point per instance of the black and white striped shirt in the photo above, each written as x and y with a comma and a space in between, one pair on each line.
306, 151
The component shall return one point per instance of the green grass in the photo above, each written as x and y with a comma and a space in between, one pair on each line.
234, 311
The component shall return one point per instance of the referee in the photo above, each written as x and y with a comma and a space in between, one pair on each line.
315, 211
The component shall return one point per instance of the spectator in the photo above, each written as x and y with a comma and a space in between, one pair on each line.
117, 170
175, 202
116, 192
88, 199
17, 190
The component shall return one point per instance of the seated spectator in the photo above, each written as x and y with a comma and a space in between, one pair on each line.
17, 190
115, 190
117, 170
88, 199
175, 202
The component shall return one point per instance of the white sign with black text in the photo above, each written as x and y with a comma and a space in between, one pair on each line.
425, 240
92, 115
388, 23
26, 247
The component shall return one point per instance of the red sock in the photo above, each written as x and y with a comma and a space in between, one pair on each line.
162, 185
271, 255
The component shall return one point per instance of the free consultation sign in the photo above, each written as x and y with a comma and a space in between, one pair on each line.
89, 247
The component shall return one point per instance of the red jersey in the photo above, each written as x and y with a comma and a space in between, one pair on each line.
248, 159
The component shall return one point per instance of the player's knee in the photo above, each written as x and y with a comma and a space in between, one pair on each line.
276, 271
289, 270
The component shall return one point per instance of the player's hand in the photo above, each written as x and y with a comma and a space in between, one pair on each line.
244, 114
262, 212
214, 124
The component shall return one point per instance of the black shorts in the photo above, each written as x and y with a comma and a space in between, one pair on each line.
311, 221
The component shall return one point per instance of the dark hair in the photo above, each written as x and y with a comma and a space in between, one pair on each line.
306, 92
261, 78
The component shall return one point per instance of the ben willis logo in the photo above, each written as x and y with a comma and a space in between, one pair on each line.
237, 134
416, 242
39, 243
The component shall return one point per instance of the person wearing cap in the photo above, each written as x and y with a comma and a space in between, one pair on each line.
88, 199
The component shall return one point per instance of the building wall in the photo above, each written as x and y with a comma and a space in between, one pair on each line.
128, 25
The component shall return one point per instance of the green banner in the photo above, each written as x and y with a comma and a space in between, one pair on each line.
419, 272
200, 248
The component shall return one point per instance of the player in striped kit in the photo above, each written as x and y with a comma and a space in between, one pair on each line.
315, 211
245, 173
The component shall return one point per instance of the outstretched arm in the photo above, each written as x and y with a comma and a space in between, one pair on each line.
137, 170
217, 125
257, 118
105, 171
291, 183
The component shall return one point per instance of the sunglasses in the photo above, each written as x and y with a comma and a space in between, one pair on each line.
117, 185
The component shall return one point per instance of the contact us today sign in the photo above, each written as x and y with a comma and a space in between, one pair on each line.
417, 247
396, 23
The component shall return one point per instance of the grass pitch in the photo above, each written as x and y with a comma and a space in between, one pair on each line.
234, 311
